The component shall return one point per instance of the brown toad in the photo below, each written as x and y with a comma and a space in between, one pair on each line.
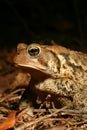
57, 71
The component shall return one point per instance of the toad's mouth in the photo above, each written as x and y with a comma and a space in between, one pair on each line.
38, 68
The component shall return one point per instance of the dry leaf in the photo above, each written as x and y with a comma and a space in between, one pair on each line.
9, 122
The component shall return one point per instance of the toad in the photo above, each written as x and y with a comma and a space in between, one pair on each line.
57, 71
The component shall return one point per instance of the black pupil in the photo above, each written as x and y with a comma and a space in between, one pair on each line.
33, 51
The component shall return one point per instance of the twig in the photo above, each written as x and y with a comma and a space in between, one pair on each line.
9, 95
65, 111
44, 117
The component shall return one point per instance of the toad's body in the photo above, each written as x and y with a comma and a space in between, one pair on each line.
63, 72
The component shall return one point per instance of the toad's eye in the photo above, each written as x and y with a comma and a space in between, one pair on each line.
34, 51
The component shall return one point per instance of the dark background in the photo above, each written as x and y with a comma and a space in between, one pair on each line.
63, 21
